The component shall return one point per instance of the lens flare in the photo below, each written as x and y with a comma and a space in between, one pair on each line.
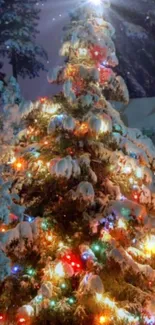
96, 2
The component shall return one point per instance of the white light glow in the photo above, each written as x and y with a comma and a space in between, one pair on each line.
96, 2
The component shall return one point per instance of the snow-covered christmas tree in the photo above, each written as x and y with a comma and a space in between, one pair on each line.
77, 196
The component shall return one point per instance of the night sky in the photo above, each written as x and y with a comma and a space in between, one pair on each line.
134, 21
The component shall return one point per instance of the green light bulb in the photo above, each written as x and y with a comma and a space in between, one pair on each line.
96, 248
63, 285
31, 272
52, 303
71, 300
44, 225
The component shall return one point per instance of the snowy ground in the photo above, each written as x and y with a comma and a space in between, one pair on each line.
139, 113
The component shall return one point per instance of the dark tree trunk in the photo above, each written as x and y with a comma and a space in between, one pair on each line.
14, 65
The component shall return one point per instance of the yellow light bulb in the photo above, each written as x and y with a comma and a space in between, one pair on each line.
61, 244
102, 319
49, 237
150, 245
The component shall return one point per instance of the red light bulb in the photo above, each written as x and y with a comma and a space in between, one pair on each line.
43, 99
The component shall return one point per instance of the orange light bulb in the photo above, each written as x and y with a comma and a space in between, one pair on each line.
102, 320
18, 165
22, 320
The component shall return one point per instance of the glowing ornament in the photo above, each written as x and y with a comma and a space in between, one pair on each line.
72, 261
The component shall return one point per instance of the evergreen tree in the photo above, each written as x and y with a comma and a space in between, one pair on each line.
18, 29
85, 252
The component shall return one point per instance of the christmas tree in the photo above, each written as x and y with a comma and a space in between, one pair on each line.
77, 196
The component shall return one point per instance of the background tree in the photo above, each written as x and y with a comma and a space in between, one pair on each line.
18, 29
